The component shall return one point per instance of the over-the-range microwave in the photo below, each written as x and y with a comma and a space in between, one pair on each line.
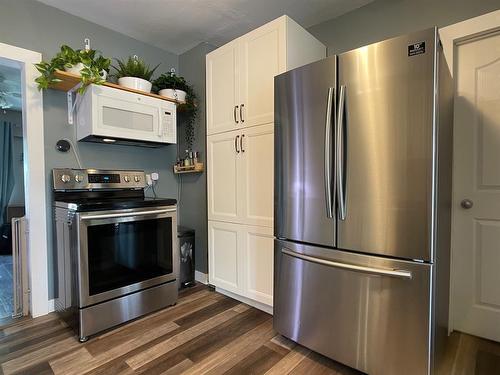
108, 115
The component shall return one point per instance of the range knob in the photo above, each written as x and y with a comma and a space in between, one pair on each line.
65, 178
137, 178
79, 178
126, 178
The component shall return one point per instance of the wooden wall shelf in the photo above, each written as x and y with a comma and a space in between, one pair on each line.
197, 168
69, 81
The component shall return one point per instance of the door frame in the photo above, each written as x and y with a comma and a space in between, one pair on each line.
451, 36
34, 175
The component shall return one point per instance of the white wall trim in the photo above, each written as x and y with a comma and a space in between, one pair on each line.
450, 36
34, 175
52, 305
201, 277
453, 34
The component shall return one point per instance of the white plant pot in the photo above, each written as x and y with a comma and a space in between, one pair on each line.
104, 74
135, 83
178, 95
75, 69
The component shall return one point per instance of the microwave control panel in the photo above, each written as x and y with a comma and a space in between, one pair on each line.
168, 123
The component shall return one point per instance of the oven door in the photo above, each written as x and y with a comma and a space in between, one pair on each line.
123, 251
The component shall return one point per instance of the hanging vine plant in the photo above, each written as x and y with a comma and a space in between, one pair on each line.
188, 111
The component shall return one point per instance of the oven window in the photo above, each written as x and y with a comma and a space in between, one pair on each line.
121, 254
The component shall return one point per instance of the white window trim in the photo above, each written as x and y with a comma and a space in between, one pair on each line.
34, 175
450, 36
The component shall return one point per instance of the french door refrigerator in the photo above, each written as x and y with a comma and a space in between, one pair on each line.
362, 205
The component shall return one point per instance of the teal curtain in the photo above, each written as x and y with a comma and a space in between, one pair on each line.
6, 168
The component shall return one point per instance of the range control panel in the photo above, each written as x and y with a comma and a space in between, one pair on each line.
94, 179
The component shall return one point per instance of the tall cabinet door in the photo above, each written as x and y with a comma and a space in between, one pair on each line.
223, 153
258, 245
222, 89
263, 56
257, 170
225, 255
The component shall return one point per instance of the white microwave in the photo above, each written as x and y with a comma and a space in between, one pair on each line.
109, 115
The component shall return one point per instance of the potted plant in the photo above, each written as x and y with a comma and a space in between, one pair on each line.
87, 63
134, 73
176, 87
172, 86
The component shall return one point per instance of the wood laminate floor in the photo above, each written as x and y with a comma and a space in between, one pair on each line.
205, 333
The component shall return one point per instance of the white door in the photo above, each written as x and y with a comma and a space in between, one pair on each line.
222, 89
223, 153
476, 229
262, 57
259, 260
225, 255
257, 170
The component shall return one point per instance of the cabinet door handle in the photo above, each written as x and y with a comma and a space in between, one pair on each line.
236, 144
241, 113
241, 143
234, 114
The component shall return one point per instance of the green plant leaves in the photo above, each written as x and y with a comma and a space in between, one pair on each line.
133, 67
67, 57
189, 109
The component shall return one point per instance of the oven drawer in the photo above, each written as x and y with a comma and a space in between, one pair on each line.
367, 312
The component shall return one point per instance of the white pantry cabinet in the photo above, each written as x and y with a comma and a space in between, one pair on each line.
240, 154
240, 74
241, 261
223, 181
240, 179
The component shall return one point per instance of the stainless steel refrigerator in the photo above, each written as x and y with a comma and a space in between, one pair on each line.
362, 205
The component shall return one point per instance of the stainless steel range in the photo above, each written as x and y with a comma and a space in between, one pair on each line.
116, 257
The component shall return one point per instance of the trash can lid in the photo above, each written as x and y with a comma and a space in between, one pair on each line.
184, 231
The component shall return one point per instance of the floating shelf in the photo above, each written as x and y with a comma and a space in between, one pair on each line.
197, 168
69, 81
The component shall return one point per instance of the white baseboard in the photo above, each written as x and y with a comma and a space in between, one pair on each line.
201, 277
52, 305
258, 305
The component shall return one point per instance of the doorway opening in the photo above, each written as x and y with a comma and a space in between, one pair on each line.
12, 196
28, 235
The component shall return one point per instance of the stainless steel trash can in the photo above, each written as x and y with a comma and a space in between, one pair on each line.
186, 252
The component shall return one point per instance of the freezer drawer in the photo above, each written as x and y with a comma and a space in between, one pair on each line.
367, 312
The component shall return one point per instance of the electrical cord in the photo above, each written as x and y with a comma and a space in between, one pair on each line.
75, 152
153, 189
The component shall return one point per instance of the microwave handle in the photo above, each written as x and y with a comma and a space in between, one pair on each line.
160, 123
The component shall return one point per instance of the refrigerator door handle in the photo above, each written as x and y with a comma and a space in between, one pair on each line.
403, 274
340, 155
328, 154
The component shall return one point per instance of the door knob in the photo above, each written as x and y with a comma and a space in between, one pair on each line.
467, 204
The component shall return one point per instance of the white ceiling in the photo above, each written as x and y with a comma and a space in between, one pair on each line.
10, 88
179, 25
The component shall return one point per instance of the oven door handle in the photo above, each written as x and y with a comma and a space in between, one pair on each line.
127, 214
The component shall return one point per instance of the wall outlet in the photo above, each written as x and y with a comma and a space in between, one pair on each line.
149, 180
155, 176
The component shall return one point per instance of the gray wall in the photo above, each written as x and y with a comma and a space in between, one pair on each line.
383, 19
193, 187
35, 26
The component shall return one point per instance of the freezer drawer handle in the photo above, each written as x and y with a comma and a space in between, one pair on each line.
127, 214
352, 267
